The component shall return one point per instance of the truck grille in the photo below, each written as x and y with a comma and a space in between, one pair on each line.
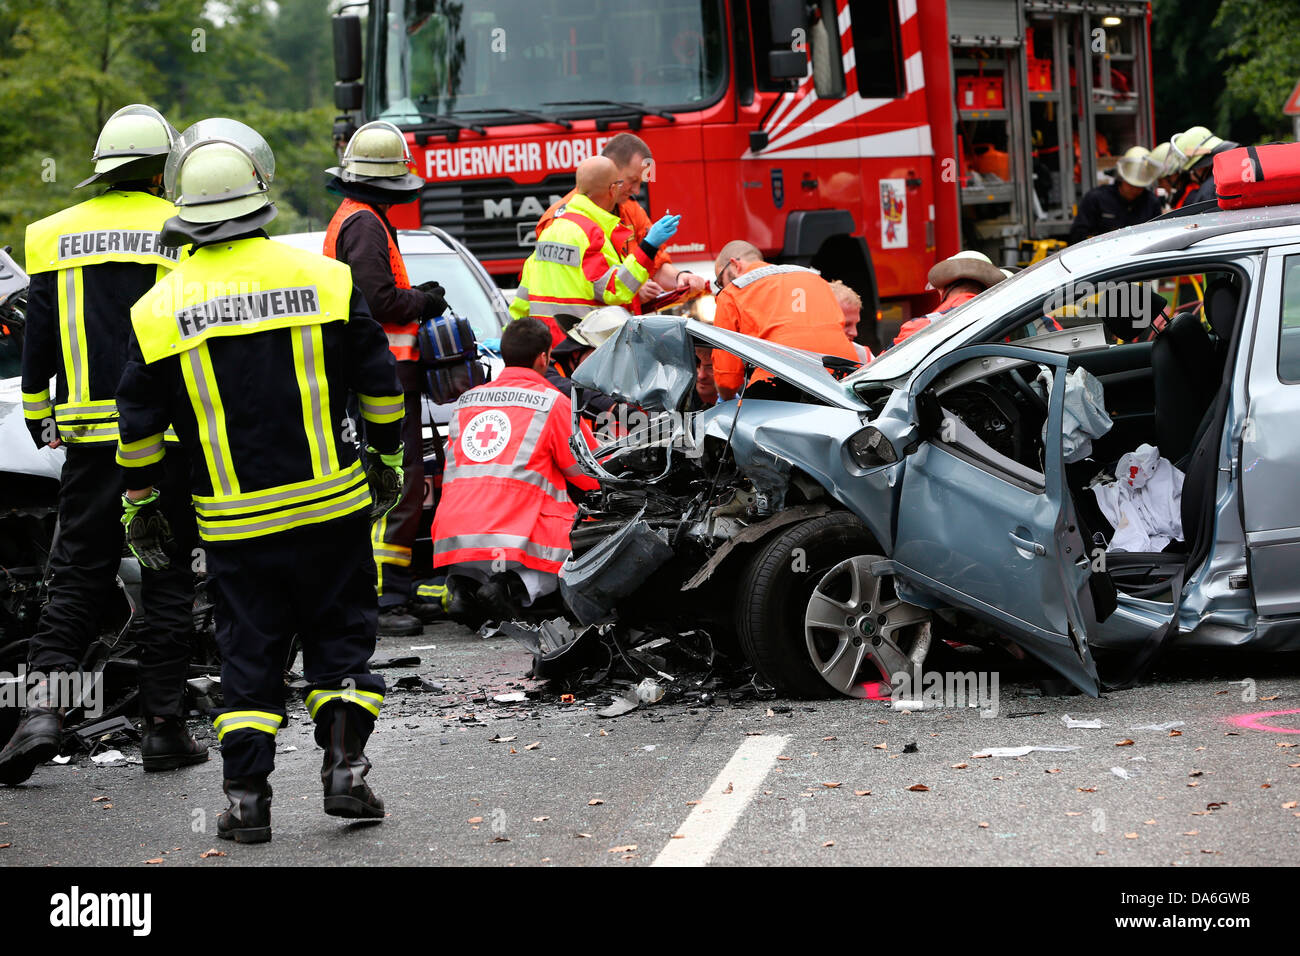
494, 218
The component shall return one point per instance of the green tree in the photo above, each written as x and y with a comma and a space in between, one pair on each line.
1263, 63
64, 68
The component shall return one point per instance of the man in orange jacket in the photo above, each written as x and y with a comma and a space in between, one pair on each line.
502, 527
789, 305
632, 157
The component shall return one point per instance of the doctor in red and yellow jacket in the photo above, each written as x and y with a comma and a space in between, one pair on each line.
502, 527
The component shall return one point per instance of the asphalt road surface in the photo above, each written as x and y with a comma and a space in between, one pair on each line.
757, 782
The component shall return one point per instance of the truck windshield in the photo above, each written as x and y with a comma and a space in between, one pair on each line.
442, 58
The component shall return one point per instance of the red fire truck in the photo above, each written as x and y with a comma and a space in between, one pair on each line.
866, 138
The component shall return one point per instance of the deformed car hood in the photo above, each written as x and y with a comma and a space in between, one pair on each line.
650, 362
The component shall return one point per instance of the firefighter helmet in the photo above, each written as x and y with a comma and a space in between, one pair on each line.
1193, 145
377, 155
1137, 168
1163, 159
220, 169
133, 144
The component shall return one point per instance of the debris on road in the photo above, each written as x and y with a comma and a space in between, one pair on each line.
1020, 751
1073, 724
1159, 727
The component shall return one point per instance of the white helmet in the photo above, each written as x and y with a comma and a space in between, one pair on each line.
377, 155
220, 169
133, 144
599, 326
1137, 168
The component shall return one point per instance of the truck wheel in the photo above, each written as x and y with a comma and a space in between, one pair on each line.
775, 591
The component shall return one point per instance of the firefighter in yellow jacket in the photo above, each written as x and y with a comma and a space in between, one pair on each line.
88, 263
251, 348
574, 267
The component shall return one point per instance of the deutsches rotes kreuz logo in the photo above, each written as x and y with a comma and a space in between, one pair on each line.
486, 435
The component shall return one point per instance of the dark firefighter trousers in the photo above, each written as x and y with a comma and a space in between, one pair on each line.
393, 536
316, 582
84, 564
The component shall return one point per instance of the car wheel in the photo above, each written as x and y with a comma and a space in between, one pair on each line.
859, 633
776, 589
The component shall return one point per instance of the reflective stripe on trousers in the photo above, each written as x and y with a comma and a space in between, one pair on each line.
247, 720
362, 698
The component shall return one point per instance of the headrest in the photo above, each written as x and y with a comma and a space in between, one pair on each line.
1221, 298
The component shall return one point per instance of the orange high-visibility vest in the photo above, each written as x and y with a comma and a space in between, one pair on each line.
402, 337
504, 503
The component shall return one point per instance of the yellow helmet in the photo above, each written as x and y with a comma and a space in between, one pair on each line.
1193, 145
377, 155
133, 144
220, 169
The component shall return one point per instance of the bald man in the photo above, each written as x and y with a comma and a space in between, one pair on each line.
789, 305
575, 267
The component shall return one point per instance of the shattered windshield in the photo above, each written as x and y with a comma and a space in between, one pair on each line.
445, 58
987, 307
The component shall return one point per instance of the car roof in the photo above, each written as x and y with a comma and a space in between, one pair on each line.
413, 242
1213, 229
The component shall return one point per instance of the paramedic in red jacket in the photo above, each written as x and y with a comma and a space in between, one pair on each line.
502, 527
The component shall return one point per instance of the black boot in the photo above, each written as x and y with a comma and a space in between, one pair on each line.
343, 772
168, 745
248, 818
35, 741
396, 621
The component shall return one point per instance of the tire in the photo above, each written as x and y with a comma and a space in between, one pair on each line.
774, 598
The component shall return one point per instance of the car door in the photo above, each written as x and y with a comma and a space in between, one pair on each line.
1269, 454
991, 534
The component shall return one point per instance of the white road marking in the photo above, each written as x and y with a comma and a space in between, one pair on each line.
717, 812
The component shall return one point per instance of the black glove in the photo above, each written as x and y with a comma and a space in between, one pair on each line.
435, 301
384, 473
148, 533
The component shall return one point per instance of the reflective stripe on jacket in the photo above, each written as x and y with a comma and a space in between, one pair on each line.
88, 263
251, 347
504, 503
575, 268
402, 337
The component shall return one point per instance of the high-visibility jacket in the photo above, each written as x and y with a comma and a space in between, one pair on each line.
504, 503
402, 336
633, 224
88, 264
575, 269
789, 305
250, 348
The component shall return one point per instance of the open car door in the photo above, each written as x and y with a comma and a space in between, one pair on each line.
982, 527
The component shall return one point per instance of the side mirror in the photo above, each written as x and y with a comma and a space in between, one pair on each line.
347, 49
348, 96
787, 58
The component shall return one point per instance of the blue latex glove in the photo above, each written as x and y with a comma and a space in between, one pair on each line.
490, 345
663, 230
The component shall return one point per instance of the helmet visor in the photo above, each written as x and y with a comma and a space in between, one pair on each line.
220, 130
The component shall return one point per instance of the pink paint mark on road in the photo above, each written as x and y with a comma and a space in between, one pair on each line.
1254, 721
877, 690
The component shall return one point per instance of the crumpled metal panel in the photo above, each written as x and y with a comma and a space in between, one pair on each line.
649, 362
593, 583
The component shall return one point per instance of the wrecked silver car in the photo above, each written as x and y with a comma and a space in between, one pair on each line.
1095, 455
